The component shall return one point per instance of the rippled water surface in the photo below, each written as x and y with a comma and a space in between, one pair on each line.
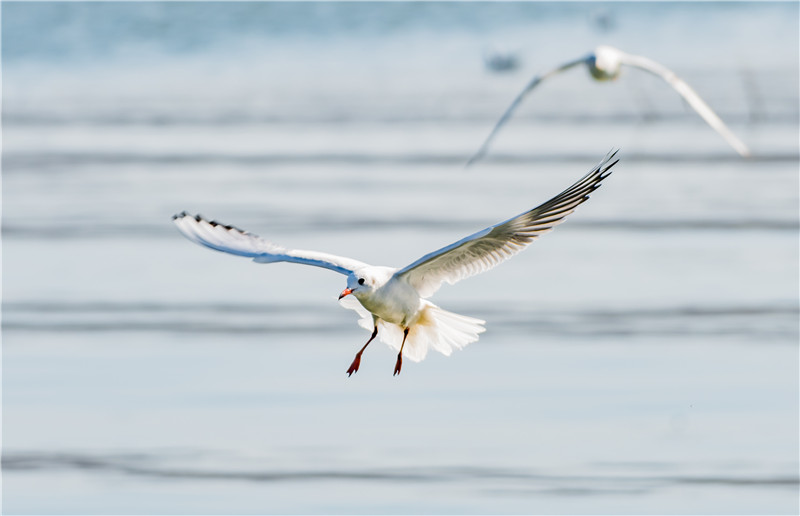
642, 358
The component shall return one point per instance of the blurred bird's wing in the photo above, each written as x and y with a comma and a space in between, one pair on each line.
503, 119
485, 249
690, 96
229, 239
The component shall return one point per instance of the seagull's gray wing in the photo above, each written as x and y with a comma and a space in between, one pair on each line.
690, 96
503, 119
229, 239
485, 249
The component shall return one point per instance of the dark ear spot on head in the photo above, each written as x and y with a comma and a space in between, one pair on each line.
360, 281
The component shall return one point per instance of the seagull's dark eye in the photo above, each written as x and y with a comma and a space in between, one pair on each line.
360, 281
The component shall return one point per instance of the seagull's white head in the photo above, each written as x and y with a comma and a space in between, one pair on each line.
359, 282
605, 64
363, 282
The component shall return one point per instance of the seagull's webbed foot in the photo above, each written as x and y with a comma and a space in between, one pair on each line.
354, 366
357, 361
399, 364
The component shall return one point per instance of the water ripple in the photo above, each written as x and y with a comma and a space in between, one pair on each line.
95, 229
153, 467
43, 160
767, 323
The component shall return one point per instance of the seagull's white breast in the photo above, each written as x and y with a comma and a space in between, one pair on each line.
395, 301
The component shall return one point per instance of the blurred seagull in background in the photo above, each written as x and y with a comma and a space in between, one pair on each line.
605, 64
499, 60
395, 300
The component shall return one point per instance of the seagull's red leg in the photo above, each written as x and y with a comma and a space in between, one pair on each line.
357, 360
399, 363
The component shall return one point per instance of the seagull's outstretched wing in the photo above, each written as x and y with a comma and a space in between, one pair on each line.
229, 239
503, 119
690, 96
485, 249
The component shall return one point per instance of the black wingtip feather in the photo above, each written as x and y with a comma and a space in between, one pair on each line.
214, 223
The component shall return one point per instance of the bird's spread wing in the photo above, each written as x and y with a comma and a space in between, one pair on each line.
503, 119
485, 249
229, 239
690, 96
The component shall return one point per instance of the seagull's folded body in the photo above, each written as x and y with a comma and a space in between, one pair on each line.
392, 302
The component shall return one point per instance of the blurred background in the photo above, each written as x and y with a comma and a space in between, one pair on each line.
642, 358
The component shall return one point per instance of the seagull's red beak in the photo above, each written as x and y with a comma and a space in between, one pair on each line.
345, 292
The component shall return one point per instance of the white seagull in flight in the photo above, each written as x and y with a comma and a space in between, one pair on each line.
396, 299
605, 64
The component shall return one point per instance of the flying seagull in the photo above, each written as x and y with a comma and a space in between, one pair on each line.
395, 300
605, 64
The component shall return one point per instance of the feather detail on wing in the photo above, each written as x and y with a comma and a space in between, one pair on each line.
485, 249
232, 240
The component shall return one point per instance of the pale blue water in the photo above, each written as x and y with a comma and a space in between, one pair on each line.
642, 358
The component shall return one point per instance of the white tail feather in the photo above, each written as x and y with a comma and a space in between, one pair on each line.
436, 328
